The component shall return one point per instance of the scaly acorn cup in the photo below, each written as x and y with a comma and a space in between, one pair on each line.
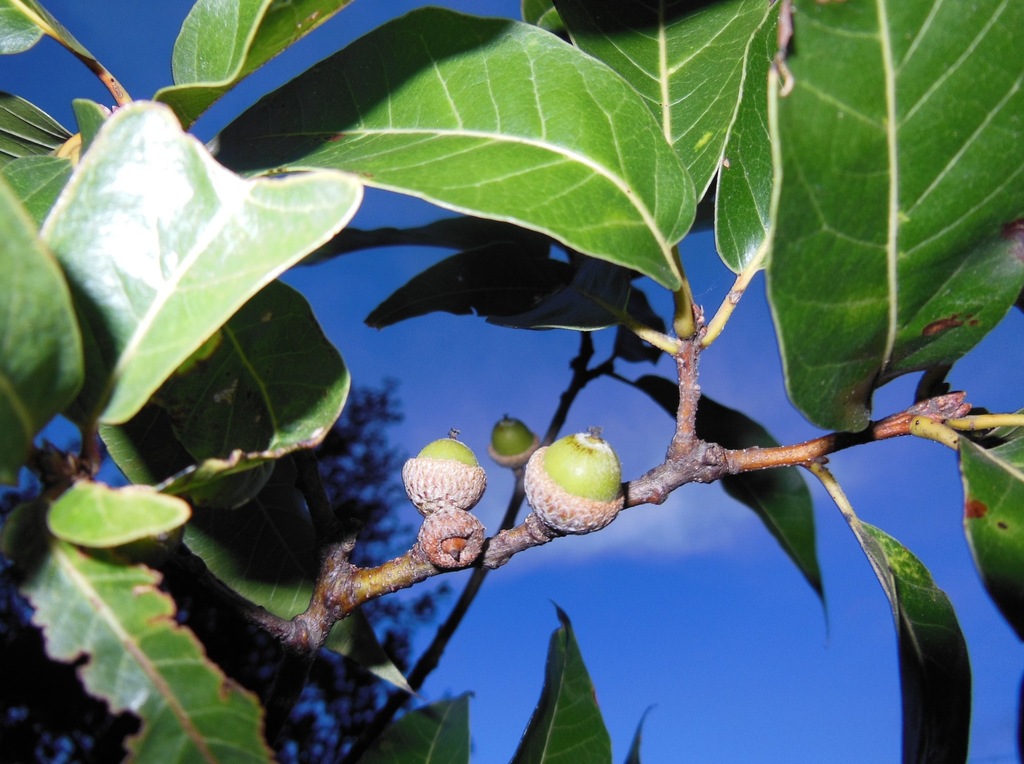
575, 484
445, 475
512, 443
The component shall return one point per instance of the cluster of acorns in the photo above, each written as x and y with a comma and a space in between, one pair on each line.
574, 486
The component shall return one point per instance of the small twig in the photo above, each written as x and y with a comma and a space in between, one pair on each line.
739, 288
310, 482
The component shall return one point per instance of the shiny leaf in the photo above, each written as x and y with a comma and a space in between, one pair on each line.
162, 246
434, 734
137, 658
567, 723
935, 672
37, 182
95, 515
894, 243
26, 130
686, 59
994, 521
40, 345
223, 41
494, 118
744, 190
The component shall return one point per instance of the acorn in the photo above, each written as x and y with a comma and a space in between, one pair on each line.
512, 443
445, 475
450, 538
575, 484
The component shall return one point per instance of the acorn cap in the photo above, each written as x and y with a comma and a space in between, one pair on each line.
451, 538
433, 484
563, 511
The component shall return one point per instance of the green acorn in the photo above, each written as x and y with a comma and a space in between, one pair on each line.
575, 484
444, 475
512, 443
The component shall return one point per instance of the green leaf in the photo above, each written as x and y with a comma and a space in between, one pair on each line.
779, 497
267, 381
490, 117
145, 448
542, 13
495, 280
744, 191
892, 245
136, 657
95, 515
266, 551
595, 299
162, 246
26, 130
686, 59
40, 346
223, 41
994, 521
935, 672
37, 182
434, 734
567, 723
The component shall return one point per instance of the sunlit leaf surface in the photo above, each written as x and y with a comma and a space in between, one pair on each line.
40, 346
491, 117
894, 241
139, 658
223, 41
96, 515
686, 59
162, 246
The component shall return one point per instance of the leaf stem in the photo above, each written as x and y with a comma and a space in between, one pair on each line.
985, 422
835, 490
683, 322
923, 427
739, 287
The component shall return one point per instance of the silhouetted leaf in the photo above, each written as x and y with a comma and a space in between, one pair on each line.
594, 299
628, 346
894, 243
567, 723
40, 351
432, 104
496, 280
461, 233
434, 734
162, 245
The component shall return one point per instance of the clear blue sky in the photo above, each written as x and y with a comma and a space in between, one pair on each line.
689, 608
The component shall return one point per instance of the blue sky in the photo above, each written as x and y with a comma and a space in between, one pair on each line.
689, 609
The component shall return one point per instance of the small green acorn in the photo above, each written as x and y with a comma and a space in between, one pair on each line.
512, 443
575, 484
445, 475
